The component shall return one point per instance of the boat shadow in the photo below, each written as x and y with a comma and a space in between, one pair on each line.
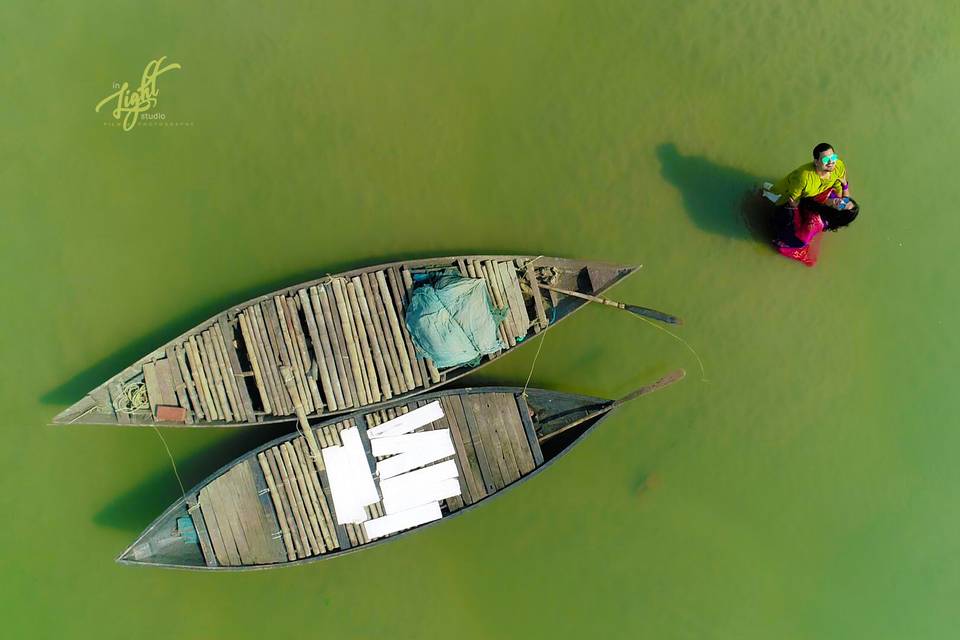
721, 200
81, 383
136, 508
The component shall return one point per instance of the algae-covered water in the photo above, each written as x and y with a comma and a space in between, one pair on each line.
803, 487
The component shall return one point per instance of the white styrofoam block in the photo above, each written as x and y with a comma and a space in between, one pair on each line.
422, 495
351, 483
433, 474
346, 501
364, 485
404, 462
394, 522
408, 422
408, 443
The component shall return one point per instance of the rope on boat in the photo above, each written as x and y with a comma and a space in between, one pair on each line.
172, 463
133, 398
543, 334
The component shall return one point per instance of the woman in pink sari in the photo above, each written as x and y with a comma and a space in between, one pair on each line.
813, 197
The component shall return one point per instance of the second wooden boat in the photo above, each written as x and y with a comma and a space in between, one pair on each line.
343, 338
300, 498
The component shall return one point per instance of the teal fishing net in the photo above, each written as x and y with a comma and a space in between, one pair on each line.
452, 320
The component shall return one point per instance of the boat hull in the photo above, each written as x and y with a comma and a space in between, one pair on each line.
342, 338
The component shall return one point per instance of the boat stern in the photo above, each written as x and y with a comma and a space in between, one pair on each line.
171, 541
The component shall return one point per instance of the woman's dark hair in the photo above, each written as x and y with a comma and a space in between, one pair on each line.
820, 148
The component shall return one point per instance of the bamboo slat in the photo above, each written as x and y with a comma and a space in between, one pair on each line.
331, 356
353, 349
287, 346
296, 509
231, 367
399, 343
196, 367
317, 498
210, 361
342, 540
502, 302
518, 308
180, 387
274, 334
271, 362
278, 507
307, 514
198, 408
537, 295
293, 306
284, 496
390, 351
265, 361
485, 276
253, 355
318, 350
226, 374
366, 349
399, 299
204, 360
344, 372
373, 340
228, 340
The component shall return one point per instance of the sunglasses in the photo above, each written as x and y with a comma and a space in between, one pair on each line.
828, 159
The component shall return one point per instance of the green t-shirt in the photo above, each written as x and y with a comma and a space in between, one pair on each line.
805, 182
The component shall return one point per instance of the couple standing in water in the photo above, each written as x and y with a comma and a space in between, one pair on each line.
811, 198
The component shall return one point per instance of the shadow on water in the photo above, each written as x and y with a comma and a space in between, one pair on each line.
83, 382
136, 508
719, 199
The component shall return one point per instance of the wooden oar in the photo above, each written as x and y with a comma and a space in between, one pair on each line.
665, 381
640, 311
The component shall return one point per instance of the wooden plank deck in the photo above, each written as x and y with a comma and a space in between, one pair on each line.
241, 532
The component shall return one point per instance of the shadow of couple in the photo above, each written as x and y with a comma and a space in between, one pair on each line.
718, 199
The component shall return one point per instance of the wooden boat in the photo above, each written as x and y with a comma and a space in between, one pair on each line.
277, 505
343, 337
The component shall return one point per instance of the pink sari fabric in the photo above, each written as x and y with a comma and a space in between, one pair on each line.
807, 226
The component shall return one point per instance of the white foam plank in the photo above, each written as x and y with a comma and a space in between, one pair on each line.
409, 443
409, 481
346, 501
395, 522
424, 494
351, 483
364, 486
404, 462
408, 422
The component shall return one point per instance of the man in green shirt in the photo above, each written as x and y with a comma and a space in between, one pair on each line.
819, 187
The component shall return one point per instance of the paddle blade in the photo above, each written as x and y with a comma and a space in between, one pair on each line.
653, 314
665, 381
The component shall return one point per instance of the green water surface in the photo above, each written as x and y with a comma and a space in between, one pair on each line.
804, 486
